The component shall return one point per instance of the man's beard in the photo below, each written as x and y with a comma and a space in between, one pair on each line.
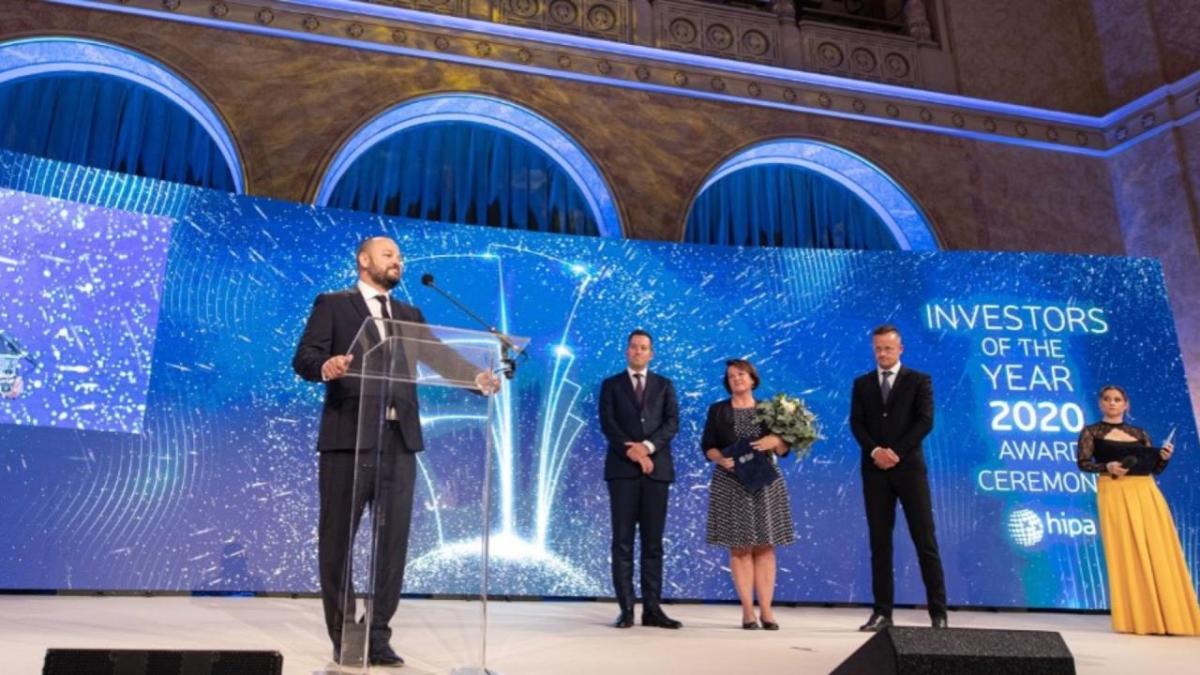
384, 281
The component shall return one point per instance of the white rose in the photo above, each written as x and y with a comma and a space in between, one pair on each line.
788, 405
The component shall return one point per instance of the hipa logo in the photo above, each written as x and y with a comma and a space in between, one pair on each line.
1026, 528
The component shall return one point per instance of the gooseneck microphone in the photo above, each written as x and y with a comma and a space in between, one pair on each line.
507, 346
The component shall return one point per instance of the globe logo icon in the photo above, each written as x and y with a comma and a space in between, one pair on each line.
1025, 527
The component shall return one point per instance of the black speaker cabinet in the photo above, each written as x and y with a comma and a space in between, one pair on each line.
160, 662
958, 651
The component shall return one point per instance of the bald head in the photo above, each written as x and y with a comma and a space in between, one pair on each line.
379, 263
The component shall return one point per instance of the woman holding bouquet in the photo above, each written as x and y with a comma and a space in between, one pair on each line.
749, 524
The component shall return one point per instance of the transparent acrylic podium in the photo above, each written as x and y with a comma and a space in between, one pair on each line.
445, 390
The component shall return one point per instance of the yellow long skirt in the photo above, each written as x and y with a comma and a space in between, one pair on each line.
1149, 586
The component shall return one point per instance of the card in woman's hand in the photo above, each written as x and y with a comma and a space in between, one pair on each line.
753, 469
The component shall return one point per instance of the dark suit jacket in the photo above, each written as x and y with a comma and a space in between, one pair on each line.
621, 420
332, 326
719, 431
901, 425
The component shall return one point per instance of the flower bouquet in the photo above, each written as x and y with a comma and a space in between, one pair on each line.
788, 418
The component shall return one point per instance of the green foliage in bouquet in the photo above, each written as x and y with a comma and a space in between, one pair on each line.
788, 417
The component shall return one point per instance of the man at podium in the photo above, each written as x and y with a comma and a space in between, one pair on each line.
323, 355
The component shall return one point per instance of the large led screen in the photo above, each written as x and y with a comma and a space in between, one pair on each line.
218, 489
79, 288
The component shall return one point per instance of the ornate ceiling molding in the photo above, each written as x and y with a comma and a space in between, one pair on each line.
582, 58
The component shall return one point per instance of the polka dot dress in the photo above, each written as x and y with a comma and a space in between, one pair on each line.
736, 518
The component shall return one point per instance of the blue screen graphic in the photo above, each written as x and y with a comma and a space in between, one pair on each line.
218, 491
80, 288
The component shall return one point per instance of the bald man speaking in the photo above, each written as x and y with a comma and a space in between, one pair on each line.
323, 356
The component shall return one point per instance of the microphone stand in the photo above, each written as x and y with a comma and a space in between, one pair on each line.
506, 345
15, 349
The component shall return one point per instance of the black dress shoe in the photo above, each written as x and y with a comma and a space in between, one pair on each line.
624, 620
660, 620
749, 625
939, 622
876, 623
770, 625
383, 655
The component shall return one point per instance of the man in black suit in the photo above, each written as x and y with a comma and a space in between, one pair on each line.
639, 416
891, 412
326, 353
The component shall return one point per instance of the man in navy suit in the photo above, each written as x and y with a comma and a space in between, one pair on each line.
891, 412
639, 416
326, 353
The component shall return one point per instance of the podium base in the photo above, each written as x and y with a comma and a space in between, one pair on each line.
354, 646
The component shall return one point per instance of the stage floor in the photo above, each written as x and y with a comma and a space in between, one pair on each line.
530, 637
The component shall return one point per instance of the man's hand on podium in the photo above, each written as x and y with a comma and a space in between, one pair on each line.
336, 367
487, 382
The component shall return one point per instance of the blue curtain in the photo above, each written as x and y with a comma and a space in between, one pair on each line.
461, 172
112, 124
782, 205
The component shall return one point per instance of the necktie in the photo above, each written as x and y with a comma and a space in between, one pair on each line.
885, 387
383, 306
385, 329
638, 387
385, 333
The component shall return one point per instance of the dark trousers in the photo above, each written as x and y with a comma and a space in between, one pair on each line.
881, 490
389, 488
639, 503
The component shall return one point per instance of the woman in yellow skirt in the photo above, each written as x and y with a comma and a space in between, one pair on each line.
1149, 586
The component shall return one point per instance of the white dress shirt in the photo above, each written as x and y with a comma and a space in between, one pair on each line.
895, 371
645, 373
369, 294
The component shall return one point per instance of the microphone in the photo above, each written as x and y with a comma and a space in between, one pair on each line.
507, 345
1127, 463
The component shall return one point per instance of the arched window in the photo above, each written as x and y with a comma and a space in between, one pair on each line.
471, 159
805, 194
103, 106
